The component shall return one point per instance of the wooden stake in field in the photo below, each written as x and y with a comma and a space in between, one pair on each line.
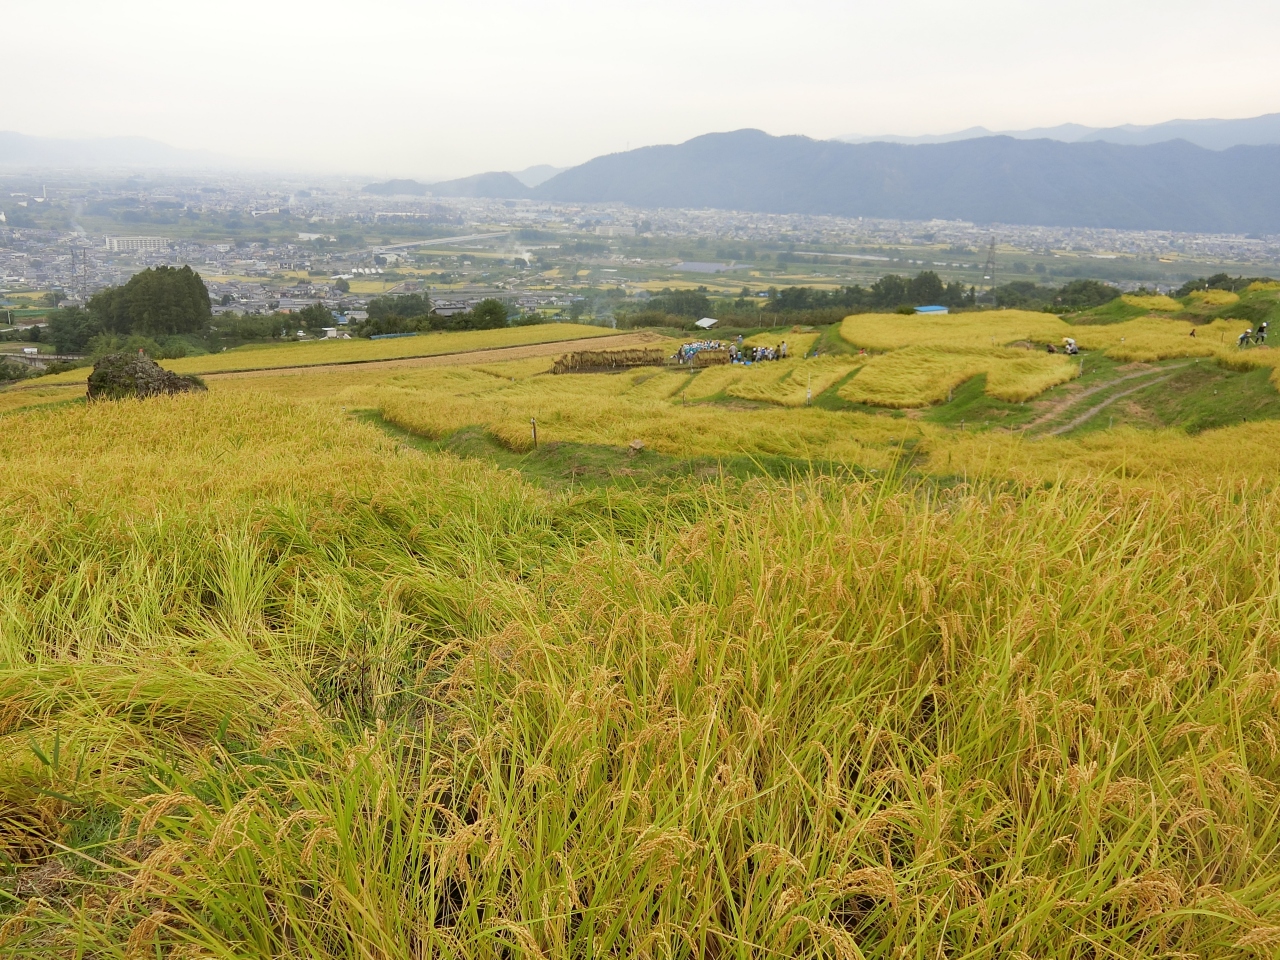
533, 423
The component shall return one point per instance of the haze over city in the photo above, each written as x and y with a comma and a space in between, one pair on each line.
437, 90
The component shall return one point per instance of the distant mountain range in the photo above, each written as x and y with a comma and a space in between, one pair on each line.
1211, 134
1165, 186
1215, 176
19, 151
497, 184
532, 176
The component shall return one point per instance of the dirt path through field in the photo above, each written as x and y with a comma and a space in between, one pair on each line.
1075, 399
488, 355
1093, 411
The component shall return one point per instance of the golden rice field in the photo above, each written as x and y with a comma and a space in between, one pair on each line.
798, 343
671, 414
1220, 298
275, 685
1153, 302
1143, 339
787, 383
647, 405
919, 376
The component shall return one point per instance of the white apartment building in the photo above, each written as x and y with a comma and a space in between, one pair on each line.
133, 244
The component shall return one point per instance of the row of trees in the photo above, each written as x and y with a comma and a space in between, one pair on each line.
166, 312
1220, 281
890, 292
160, 302
410, 313
1069, 298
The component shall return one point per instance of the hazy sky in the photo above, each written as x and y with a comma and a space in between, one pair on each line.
432, 89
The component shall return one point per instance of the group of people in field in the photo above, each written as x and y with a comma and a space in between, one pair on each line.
1068, 347
688, 351
738, 353
1258, 336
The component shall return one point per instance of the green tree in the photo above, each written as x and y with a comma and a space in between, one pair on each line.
315, 317
683, 303
1220, 281
161, 301
1085, 294
926, 288
380, 326
1024, 295
890, 291
793, 300
342, 286
232, 326
406, 306
71, 328
489, 314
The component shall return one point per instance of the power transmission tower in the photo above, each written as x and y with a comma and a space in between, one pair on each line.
989, 270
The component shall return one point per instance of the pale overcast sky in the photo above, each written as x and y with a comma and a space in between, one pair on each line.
433, 89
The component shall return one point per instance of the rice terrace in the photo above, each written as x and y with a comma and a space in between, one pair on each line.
920, 641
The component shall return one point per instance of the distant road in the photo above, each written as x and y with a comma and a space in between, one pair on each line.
429, 243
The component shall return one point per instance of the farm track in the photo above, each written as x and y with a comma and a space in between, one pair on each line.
486, 355
1093, 411
1070, 402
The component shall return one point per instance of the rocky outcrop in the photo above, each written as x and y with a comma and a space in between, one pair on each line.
119, 375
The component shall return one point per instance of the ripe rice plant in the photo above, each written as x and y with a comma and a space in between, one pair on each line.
39, 394
1153, 302
920, 376
1219, 298
799, 380
615, 409
1247, 453
1143, 339
798, 344
274, 686
667, 411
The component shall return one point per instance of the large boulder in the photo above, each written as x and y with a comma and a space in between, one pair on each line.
120, 375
